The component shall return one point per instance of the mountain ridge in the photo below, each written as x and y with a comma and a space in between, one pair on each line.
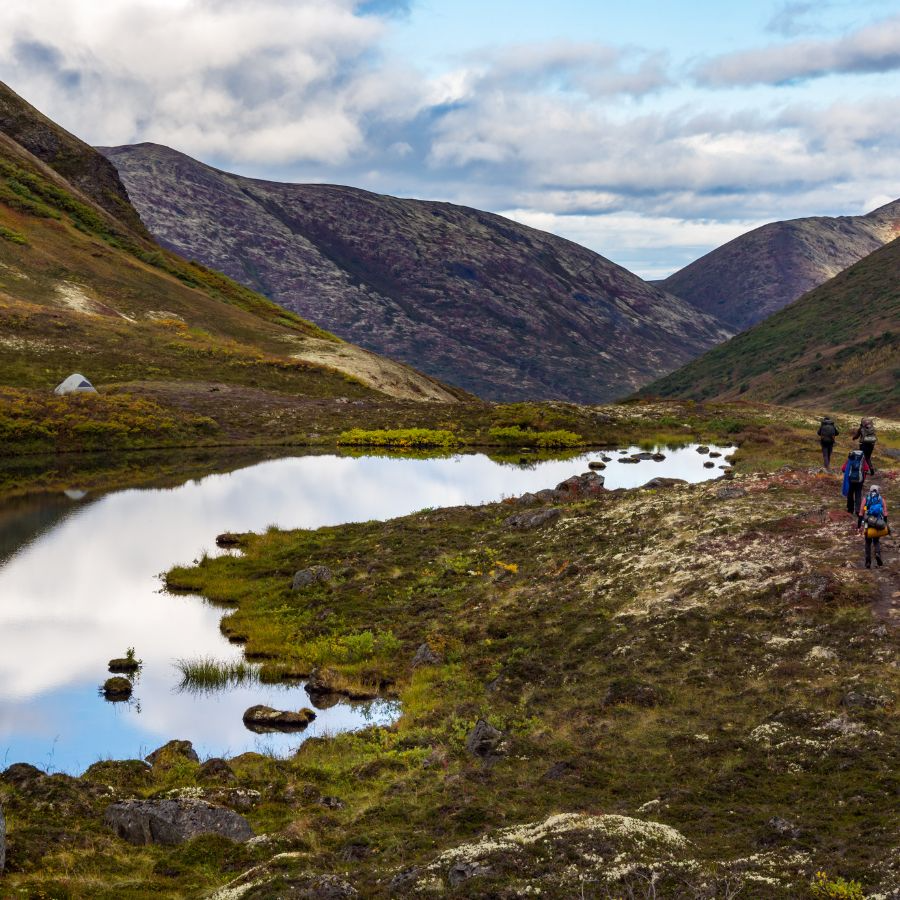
757, 273
503, 310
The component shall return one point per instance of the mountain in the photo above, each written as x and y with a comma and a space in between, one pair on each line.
84, 288
762, 271
838, 347
500, 309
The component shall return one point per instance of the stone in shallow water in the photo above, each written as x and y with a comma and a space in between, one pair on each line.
172, 822
117, 688
263, 718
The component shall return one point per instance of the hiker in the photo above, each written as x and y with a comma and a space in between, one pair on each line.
873, 516
855, 470
827, 433
865, 434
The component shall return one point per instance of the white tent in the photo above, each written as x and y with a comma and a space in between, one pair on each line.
75, 384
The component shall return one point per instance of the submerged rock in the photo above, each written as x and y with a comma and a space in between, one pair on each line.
526, 521
629, 459
596, 464
172, 822
172, 751
659, 457
703, 449
709, 465
263, 718
312, 575
123, 665
117, 688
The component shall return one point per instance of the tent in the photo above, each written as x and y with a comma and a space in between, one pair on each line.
75, 384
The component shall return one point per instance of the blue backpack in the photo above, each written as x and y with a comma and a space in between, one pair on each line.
875, 506
855, 467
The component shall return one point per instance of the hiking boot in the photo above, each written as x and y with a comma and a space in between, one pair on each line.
868, 563
878, 561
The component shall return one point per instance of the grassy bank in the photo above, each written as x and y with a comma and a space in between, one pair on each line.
712, 661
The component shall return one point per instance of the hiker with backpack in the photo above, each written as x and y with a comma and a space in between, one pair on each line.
866, 436
827, 433
873, 516
855, 470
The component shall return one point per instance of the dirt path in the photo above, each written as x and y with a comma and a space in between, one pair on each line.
887, 606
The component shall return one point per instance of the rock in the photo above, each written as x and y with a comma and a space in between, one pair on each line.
821, 654
526, 521
117, 688
596, 465
463, 870
606, 459
123, 665
484, 740
2, 841
890, 452
312, 575
557, 771
703, 449
263, 718
629, 460
709, 465
527, 499
656, 483
862, 700
714, 455
658, 457
731, 492
172, 822
216, 771
580, 487
173, 750
783, 827
20, 774
332, 802
425, 656
404, 881
644, 455
227, 540
126, 774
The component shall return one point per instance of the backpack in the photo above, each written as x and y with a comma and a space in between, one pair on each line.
867, 433
827, 431
855, 467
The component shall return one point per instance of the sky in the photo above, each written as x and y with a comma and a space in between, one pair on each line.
649, 131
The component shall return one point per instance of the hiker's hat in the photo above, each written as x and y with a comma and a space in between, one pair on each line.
874, 489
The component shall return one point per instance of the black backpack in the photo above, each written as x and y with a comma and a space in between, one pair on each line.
855, 472
827, 430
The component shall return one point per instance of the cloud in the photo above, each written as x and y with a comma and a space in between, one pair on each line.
793, 18
875, 48
384, 7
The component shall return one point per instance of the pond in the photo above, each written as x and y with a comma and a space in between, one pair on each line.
80, 583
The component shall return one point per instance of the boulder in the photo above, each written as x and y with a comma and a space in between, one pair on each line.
731, 492
216, 771
526, 521
312, 575
425, 656
659, 457
464, 869
714, 454
127, 774
703, 449
656, 483
629, 459
227, 539
642, 456
484, 740
173, 750
172, 822
709, 465
263, 718
783, 827
580, 487
117, 688
606, 459
596, 465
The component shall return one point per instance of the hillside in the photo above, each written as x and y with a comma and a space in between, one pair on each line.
81, 290
837, 347
760, 272
500, 309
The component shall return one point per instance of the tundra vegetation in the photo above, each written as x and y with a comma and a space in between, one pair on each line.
687, 691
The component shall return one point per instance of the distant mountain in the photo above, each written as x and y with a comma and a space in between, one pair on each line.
762, 271
84, 288
503, 310
838, 347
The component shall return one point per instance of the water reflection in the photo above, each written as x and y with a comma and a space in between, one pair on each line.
80, 585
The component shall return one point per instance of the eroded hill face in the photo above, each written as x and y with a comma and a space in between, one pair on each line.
83, 290
837, 347
500, 309
758, 273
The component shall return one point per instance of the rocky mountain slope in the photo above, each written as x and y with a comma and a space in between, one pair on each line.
83, 290
500, 309
758, 273
837, 347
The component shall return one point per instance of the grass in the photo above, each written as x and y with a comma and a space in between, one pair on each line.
209, 674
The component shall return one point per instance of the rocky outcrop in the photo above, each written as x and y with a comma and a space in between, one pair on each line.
215, 771
171, 752
528, 521
172, 822
262, 719
484, 741
425, 656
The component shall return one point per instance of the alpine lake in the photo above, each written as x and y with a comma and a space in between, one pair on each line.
80, 583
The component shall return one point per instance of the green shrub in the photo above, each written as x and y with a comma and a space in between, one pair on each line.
513, 435
7, 234
825, 888
400, 438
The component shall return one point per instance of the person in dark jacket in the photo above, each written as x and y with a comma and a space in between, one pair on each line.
873, 517
866, 436
855, 470
827, 433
